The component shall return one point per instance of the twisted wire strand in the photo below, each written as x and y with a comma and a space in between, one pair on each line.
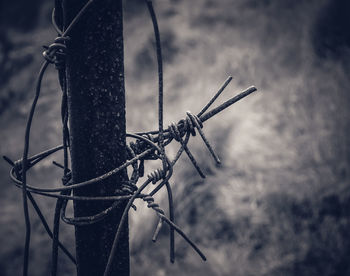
159, 174
156, 176
133, 197
189, 126
46, 153
31, 188
59, 62
180, 151
41, 156
148, 146
159, 212
130, 186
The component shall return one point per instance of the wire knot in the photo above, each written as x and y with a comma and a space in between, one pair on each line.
129, 187
55, 53
66, 178
149, 137
18, 165
139, 147
191, 123
156, 175
187, 125
151, 204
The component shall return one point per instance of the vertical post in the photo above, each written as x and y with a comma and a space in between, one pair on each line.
96, 103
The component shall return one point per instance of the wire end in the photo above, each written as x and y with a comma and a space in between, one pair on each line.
8, 160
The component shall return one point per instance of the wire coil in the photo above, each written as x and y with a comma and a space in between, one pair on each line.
55, 53
142, 147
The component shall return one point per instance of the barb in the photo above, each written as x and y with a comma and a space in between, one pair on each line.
203, 118
228, 103
222, 88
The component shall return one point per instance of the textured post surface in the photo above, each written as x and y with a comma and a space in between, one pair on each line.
96, 99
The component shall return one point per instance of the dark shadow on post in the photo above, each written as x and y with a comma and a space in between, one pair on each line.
95, 77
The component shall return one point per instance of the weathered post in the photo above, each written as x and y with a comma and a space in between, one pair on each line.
96, 100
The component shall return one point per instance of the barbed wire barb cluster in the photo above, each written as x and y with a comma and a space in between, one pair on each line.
142, 146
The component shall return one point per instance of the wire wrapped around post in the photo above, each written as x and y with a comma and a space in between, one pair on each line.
141, 147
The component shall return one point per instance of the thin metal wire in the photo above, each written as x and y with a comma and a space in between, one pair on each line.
24, 170
144, 146
66, 171
134, 196
42, 218
160, 122
213, 99
207, 115
84, 183
45, 154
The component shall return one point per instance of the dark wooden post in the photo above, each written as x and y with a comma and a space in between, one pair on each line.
96, 99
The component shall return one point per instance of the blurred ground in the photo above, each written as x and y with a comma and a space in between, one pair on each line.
280, 203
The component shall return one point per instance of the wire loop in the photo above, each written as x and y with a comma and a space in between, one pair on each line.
55, 53
142, 147
156, 175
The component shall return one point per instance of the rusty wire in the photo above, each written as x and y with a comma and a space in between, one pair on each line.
144, 146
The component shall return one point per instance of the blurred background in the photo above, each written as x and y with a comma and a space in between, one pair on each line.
280, 202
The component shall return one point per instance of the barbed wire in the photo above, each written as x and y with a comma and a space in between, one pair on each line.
142, 147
